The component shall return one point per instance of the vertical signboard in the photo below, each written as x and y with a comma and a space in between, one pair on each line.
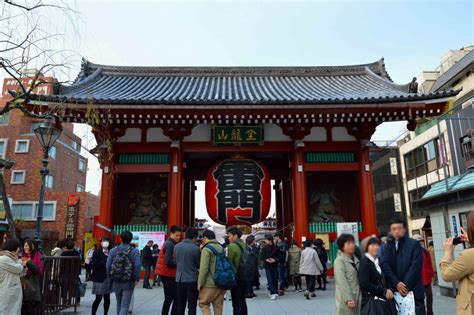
72, 216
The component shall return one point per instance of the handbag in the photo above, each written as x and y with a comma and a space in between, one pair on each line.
377, 306
81, 288
405, 305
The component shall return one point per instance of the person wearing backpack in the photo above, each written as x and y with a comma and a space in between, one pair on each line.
270, 264
123, 268
166, 269
237, 256
209, 291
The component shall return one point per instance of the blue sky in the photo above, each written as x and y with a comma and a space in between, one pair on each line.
411, 36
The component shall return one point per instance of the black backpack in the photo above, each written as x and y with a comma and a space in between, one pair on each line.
122, 267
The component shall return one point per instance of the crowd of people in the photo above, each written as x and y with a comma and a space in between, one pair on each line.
373, 278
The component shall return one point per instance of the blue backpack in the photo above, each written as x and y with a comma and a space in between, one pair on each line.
224, 277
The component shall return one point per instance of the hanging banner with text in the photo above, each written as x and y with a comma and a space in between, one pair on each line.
348, 228
72, 216
237, 135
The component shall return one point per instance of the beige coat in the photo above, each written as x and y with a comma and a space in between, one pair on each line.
294, 260
462, 270
347, 284
310, 263
11, 294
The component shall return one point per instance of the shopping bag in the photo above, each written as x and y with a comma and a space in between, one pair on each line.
405, 305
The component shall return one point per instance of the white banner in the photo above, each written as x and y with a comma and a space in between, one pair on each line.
348, 228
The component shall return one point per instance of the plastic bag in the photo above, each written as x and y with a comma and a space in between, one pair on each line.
405, 305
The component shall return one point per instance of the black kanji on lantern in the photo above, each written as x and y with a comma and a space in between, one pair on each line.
238, 186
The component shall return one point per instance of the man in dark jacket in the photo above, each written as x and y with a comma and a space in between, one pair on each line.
155, 252
251, 266
187, 256
402, 262
147, 263
282, 261
270, 264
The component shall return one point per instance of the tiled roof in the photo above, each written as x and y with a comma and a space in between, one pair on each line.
455, 183
365, 83
459, 67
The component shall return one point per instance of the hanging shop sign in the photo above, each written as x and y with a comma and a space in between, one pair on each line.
72, 216
238, 192
237, 135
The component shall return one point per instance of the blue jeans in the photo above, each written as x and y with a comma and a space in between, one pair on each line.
272, 279
282, 276
123, 294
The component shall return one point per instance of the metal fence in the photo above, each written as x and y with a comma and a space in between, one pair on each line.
60, 283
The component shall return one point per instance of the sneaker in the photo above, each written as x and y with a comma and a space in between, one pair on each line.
300, 290
273, 297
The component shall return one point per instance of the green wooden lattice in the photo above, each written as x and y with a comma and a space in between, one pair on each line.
330, 157
144, 158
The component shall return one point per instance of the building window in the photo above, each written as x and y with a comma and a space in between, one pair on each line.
34, 126
24, 210
422, 160
53, 152
3, 148
4, 119
49, 211
80, 188
49, 181
18, 177
75, 146
22, 146
82, 165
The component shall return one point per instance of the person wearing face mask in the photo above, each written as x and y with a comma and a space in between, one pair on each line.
11, 269
101, 282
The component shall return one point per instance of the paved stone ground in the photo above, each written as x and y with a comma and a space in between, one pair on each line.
150, 302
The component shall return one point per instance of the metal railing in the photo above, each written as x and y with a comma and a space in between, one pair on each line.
60, 283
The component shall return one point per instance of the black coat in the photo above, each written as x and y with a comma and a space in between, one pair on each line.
403, 265
371, 282
147, 258
98, 262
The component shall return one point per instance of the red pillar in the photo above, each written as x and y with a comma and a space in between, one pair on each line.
287, 207
366, 192
175, 204
106, 200
300, 195
278, 205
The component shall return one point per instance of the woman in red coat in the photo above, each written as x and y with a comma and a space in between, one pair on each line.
427, 275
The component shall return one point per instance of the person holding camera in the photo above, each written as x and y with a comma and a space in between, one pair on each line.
462, 268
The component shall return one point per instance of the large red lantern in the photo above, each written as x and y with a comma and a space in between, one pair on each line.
238, 192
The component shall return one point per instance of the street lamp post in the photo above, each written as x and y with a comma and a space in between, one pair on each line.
47, 135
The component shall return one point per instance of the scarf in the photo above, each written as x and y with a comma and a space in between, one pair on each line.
375, 260
35, 259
